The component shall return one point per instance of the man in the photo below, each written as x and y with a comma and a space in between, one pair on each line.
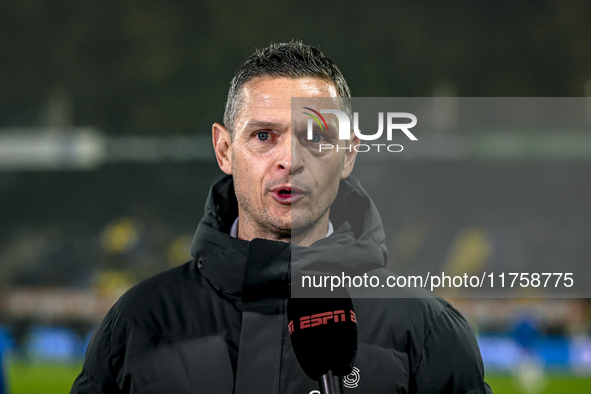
218, 323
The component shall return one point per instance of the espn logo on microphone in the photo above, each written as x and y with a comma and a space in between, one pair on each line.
323, 318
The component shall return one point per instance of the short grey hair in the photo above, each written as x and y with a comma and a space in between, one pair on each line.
293, 59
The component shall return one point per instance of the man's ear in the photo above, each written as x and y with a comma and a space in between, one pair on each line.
350, 158
222, 145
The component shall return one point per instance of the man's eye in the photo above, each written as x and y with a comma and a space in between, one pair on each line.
316, 138
262, 136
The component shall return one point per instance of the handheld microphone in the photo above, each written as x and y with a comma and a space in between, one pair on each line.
323, 334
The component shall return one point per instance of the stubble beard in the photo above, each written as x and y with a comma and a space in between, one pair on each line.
268, 226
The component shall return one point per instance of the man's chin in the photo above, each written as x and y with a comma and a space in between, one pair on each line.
291, 223
280, 224
291, 227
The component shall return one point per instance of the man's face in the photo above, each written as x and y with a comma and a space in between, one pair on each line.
283, 184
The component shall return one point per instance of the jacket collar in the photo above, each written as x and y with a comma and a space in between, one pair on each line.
261, 268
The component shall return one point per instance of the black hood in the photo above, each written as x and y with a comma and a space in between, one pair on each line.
357, 244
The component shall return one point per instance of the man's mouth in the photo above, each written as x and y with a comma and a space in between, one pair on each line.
286, 194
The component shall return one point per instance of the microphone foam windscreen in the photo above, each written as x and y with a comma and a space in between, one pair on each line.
323, 333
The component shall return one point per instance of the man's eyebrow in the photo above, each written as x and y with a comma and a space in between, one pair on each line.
262, 124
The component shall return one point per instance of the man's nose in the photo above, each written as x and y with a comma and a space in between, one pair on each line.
289, 157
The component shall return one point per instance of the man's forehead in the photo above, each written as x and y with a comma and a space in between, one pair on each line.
275, 92
269, 99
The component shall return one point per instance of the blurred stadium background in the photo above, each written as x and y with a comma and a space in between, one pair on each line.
105, 160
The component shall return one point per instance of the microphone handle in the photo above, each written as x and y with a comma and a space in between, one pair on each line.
330, 383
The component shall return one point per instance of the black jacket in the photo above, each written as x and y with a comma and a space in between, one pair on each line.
218, 324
